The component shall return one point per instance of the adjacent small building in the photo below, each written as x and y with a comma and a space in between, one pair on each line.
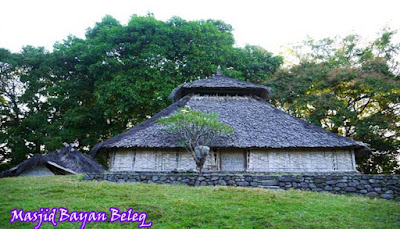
66, 161
266, 139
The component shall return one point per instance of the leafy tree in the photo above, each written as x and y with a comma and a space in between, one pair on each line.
253, 64
23, 113
10, 110
87, 90
350, 89
195, 130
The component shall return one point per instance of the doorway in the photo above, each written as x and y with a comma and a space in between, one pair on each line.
233, 160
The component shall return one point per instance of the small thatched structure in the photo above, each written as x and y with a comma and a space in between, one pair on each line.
61, 162
266, 139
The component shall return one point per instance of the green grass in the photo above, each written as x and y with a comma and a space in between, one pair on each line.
195, 207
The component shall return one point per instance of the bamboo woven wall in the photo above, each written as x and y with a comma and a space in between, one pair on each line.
301, 161
253, 160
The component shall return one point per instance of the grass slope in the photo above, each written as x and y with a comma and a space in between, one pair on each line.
195, 207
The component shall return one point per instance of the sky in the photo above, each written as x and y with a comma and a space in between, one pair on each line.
269, 24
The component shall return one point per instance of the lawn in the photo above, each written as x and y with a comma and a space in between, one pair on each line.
194, 207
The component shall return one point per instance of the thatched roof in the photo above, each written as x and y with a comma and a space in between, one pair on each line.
64, 161
219, 85
257, 124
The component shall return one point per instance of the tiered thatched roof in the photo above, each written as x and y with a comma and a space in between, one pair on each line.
219, 85
64, 161
257, 124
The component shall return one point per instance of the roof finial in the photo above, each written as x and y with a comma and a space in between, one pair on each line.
219, 70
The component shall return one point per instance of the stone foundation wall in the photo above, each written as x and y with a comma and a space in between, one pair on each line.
380, 186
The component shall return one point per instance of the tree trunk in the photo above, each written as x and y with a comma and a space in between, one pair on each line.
203, 152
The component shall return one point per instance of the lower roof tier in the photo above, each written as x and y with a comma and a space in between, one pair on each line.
257, 124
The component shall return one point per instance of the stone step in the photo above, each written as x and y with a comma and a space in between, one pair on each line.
269, 187
269, 182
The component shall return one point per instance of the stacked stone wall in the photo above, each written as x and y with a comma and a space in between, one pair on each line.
379, 186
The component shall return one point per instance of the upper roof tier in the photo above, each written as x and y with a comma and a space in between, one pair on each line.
220, 85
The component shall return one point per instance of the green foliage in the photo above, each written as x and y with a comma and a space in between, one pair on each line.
91, 89
350, 89
177, 206
23, 114
196, 129
254, 64
196, 122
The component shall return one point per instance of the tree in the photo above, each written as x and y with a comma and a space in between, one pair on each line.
88, 90
196, 130
254, 64
10, 110
24, 113
122, 74
350, 89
